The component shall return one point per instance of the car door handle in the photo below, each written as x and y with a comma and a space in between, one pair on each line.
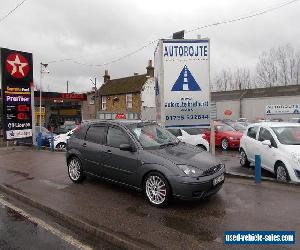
84, 145
109, 151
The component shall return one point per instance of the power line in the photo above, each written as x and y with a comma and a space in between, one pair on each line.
227, 21
11, 11
255, 14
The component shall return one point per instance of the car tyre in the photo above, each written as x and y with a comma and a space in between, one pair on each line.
75, 170
281, 173
225, 144
244, 159
202, 147
61, 146
157, 189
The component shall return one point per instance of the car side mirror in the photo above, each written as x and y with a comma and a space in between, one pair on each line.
126, 147
267, 143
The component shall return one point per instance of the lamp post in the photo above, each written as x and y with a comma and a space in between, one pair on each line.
42, 71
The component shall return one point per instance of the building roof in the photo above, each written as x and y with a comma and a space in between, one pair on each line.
290, 90
130, 84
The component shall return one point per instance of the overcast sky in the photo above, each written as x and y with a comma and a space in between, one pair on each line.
95, 32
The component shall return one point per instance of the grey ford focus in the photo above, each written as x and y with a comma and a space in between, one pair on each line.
145, 156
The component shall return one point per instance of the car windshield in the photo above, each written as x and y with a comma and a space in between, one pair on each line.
288, 135
152, 136
194, 131
223, 128
239, 127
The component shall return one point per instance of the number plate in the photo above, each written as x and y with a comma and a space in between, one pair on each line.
218, 179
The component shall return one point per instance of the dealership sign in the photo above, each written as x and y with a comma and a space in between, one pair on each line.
16, 78
277, 109
182, 83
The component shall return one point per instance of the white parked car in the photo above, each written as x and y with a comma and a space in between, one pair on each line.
278, 144
192, 136
60, 141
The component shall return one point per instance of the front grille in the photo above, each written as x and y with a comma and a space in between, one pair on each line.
213, 169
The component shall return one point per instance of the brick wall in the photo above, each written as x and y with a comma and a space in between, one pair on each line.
87, 108
119, 105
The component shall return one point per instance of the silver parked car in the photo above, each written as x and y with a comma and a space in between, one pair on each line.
145, 156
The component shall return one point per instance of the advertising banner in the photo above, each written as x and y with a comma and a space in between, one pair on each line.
16, 79
277, 109
183, 83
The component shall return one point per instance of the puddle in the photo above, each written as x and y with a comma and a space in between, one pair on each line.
186, 227
23, 174
19, 173
136, 212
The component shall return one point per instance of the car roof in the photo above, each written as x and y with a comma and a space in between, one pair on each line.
275, 124
117, 122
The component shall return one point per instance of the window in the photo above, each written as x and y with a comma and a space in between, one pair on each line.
265, 134
153, 136
95, 134
176, 132
116, 137
80, 132
194, 131
288, 135
129, 101
223, 128
103, 106
252, 132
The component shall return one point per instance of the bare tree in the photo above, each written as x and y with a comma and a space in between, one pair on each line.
223, 81
279, 66
226, 80
242, 79
267, 69
297, 68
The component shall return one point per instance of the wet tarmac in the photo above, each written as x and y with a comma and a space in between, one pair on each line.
231, 158
17, 232
240, 205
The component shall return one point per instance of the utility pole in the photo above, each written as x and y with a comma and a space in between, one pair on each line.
67, 86
95, 95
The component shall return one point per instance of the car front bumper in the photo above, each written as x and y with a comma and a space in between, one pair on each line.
196, 188
234, 143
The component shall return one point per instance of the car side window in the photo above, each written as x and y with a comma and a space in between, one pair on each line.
116, 137
252, 132
96, 134
80, 132
176, 132
265, 134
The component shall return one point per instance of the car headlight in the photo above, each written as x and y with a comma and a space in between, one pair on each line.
190, 171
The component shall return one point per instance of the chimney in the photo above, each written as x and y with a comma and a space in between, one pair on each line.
150, 69
106, 76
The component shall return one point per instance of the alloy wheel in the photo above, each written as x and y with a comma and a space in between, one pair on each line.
224, 144
281, 174
74, 168
156, 189
243, 158
61, 146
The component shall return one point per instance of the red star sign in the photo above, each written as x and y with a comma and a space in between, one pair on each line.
17, 65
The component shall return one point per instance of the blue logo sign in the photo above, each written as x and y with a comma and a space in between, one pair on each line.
186, 81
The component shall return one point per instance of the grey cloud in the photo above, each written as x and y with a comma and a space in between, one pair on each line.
94, 32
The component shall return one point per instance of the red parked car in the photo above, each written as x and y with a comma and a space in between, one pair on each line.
225, 136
